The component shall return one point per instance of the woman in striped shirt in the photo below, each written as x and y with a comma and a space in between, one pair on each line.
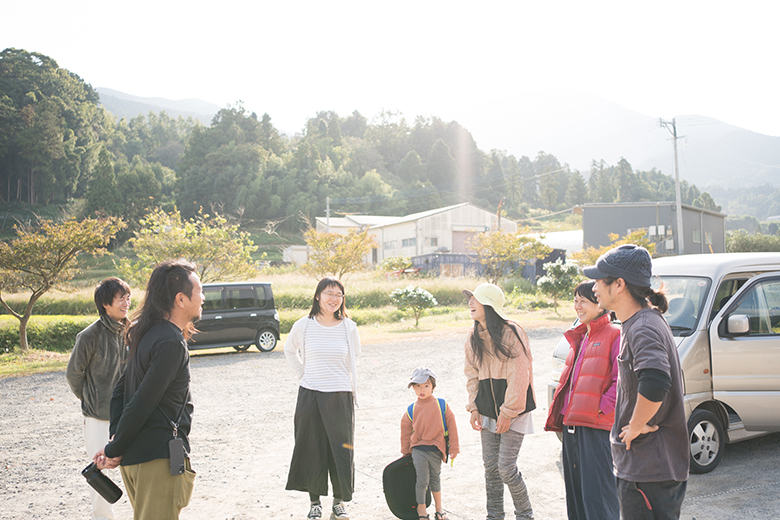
322, 351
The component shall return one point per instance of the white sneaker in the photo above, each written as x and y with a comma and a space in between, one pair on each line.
315, 513
340, 511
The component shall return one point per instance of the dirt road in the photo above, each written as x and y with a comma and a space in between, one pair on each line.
242, 442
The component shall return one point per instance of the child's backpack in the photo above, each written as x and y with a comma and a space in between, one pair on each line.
443, 410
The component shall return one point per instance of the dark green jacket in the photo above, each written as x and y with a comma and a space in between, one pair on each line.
95, 366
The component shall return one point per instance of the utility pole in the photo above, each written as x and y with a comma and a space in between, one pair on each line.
678, 195
327, 214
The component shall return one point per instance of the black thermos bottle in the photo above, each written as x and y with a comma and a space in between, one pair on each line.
101, 483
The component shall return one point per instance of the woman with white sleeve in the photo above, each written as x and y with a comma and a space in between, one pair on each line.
322, 350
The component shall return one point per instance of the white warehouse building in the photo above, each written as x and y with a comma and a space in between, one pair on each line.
442, 229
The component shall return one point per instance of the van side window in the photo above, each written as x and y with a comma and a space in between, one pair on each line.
213, 300
262, 299
726, 290
762, 307
239, 298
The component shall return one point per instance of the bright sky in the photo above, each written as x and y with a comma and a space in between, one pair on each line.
450, 59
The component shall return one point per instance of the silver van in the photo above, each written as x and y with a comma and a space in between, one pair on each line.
724, 311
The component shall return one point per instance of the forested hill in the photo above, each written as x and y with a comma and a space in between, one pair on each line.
57, 144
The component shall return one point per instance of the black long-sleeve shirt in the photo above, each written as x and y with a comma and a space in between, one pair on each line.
156, 380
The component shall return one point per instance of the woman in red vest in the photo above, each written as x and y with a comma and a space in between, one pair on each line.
583, 409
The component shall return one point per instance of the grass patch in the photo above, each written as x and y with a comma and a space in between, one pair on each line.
15, 364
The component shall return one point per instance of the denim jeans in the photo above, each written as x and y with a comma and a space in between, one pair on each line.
499, 454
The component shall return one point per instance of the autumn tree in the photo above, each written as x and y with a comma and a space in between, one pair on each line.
500, 251
589, 255
335, 254
45, 254
212, 242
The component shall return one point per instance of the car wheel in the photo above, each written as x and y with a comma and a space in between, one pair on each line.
707, 440
266, 341
241, 348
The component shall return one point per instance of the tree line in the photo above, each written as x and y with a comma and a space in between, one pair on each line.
57, 145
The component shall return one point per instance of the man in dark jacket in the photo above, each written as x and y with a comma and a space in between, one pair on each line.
94, 368
151, 408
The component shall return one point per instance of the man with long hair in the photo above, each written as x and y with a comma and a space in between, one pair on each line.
95, 366
151, 408
649, 438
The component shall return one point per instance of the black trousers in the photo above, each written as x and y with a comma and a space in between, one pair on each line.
591, 492
651, 500
324, 437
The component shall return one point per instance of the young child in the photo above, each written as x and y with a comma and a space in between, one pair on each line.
422, 435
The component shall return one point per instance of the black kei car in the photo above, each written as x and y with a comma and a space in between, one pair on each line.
237, 315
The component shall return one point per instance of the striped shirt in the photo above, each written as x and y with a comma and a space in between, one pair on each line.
327, 356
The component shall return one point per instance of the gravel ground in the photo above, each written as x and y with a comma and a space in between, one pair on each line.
242, 442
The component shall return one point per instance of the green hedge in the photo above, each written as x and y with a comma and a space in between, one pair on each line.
58, 333
362, 316
370, 297
54, 333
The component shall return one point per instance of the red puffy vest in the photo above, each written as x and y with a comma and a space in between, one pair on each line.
593, 380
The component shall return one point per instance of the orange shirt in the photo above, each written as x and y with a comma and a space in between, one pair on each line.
427, 429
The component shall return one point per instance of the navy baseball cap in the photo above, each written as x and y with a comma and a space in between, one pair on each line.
629, 262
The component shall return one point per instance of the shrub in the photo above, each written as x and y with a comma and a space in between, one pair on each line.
414, 299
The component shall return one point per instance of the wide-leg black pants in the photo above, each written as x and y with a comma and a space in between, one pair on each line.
324, 437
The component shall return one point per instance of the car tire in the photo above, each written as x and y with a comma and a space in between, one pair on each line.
241, 348
707, 440
265, 341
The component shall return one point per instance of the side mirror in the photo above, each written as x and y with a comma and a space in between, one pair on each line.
738, 325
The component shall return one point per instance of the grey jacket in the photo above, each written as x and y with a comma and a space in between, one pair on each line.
95, 366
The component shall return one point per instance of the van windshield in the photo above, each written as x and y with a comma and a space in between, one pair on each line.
686, 296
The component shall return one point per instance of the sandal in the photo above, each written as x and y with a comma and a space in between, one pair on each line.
441, 516
426, 517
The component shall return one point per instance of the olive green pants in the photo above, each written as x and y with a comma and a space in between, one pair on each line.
154, 493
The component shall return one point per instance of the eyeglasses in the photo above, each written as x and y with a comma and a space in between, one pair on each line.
333, 294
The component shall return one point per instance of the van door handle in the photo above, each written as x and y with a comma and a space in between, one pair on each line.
217, 317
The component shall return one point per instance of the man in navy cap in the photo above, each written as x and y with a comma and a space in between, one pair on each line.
649, 439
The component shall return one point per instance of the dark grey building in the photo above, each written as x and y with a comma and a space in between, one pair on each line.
704, 231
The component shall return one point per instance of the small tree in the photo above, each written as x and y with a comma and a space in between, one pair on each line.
395, 263
414, 299
45, 255
589, 255
336, 254
500, 251
212, 242
560, 279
